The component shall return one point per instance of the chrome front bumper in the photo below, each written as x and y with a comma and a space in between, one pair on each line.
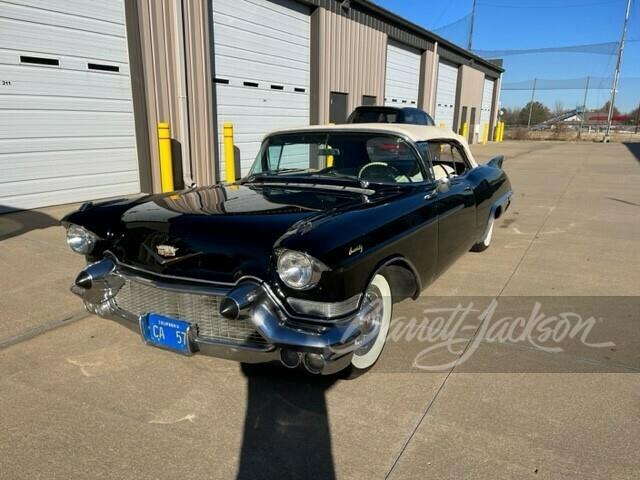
263, 333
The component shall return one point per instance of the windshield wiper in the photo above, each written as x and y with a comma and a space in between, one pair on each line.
272, 173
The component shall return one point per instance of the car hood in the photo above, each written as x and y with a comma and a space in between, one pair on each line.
219, 233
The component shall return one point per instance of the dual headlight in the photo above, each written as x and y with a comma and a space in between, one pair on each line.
80, 240
298, 270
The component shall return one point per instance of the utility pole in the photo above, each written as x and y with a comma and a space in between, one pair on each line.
584, 107
473, 21
533, 93
616, 75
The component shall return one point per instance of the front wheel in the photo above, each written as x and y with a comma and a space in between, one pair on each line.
483, 244
375, 324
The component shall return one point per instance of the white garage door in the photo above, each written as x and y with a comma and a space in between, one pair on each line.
446, 88
402, 76
66, 115
487, 99
262, 63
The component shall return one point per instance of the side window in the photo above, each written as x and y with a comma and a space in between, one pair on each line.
422, 118
459, 161
447, 159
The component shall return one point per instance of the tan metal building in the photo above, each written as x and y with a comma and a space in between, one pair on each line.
114, 70
266, 64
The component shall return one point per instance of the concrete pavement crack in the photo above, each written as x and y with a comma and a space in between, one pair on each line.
450, 372
39, 330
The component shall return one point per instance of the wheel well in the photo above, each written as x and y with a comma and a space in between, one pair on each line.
402, 280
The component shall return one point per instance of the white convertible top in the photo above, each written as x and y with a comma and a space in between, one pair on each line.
417, 133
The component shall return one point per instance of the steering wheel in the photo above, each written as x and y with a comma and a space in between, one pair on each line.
381, 170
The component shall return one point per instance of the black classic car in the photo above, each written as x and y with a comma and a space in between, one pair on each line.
300, 261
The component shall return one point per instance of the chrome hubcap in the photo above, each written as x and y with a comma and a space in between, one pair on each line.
371, 314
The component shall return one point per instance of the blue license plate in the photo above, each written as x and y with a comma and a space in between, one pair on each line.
166, 332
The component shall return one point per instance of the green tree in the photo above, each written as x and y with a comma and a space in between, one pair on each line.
539, 113
510, 116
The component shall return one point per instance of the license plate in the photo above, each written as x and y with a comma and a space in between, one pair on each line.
166, 332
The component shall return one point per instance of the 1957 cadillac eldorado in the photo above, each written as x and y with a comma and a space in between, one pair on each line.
301, 260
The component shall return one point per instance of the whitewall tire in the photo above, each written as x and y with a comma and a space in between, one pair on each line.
483, 244
378, 298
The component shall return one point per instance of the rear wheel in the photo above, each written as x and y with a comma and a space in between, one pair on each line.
375, 325
483, 244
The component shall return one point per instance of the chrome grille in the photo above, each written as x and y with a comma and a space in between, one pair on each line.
197, 309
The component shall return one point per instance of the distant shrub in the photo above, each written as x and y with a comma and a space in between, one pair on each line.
519, 134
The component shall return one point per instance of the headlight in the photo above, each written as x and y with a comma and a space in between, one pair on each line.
299, 270
80, 240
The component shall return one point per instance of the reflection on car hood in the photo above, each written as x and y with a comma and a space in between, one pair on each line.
217, 233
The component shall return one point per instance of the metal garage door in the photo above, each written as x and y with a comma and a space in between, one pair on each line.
402, 76
446, 88
487, 100
66, 115
262, 63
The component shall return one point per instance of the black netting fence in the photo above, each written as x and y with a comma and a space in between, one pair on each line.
549, 83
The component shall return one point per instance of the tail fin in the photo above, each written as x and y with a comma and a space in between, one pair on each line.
496, 162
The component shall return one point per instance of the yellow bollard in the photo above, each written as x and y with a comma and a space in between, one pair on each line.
485, 133
443, 125
501, 131
166, 162
229, 154
464, 131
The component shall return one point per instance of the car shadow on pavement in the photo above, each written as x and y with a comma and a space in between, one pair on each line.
14, 224
286, 428
634, 148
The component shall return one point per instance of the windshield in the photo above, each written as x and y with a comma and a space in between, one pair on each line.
367, 156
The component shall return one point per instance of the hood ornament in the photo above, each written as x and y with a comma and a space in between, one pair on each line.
166, 251
168, 254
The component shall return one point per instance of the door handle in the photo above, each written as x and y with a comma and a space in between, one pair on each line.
431, 194
467, 188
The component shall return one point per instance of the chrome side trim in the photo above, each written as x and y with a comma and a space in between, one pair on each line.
325, 310
304, 319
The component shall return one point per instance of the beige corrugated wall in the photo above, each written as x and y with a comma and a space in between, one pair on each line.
427, 81
471, 85
346, 57
174, 40
200, 88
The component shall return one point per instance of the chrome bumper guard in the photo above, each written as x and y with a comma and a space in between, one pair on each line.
324, 349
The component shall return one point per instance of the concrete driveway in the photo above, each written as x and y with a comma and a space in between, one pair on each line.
83, 398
